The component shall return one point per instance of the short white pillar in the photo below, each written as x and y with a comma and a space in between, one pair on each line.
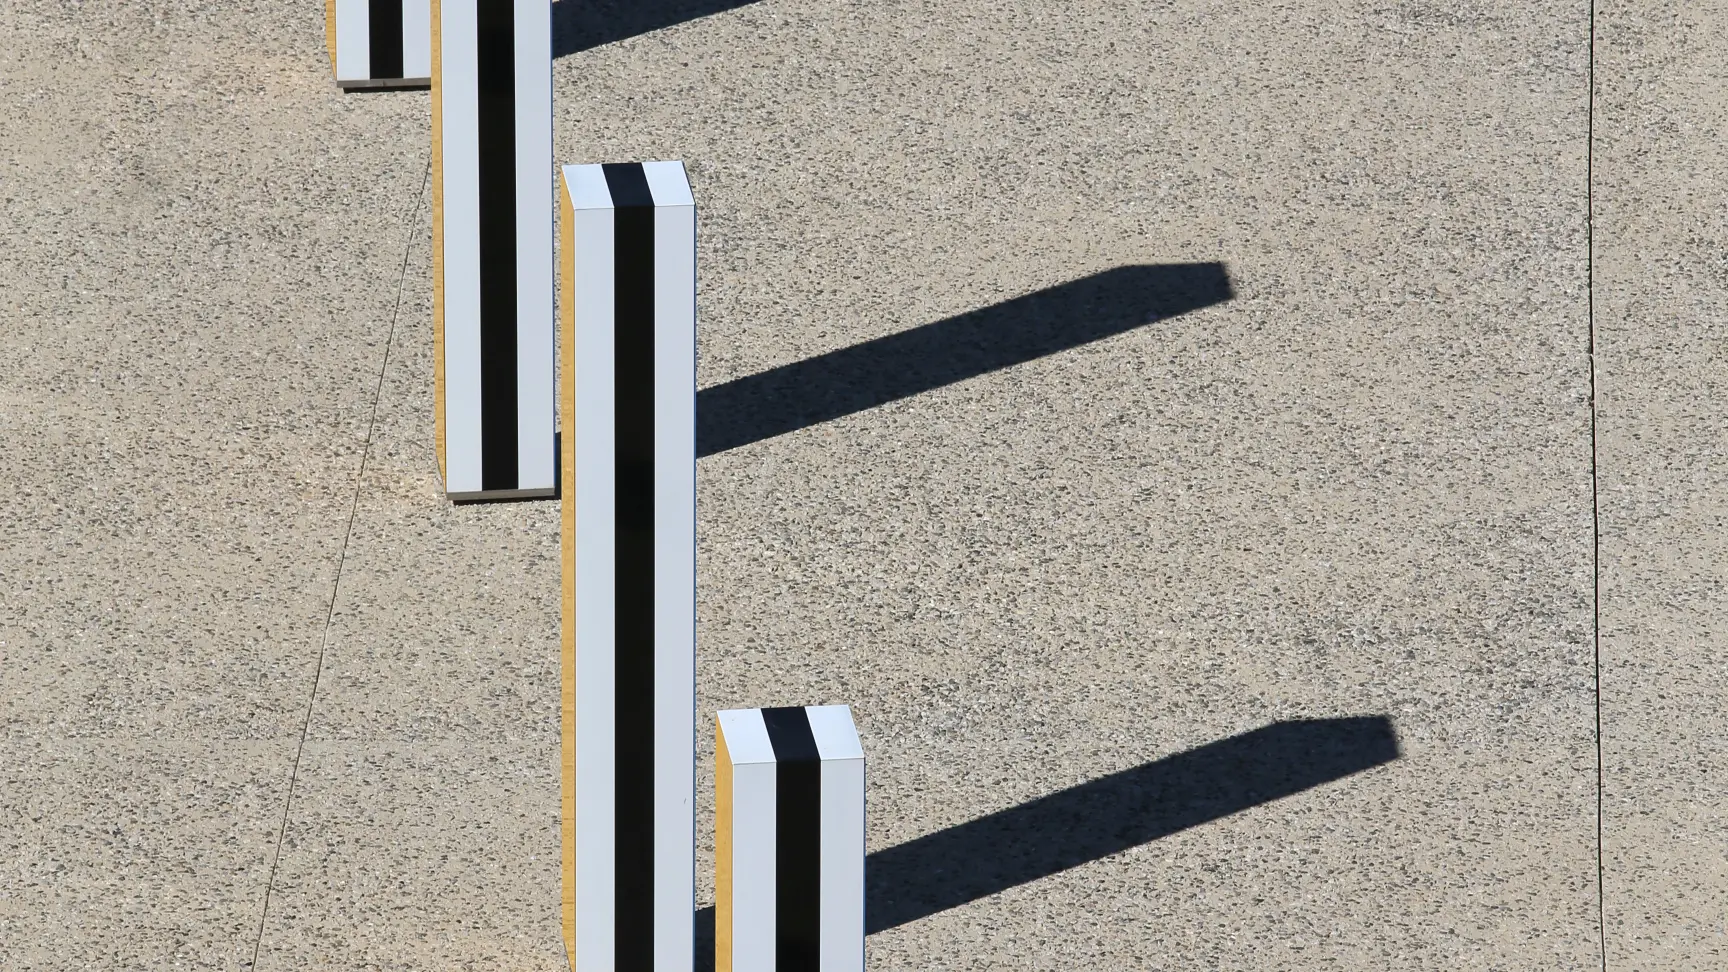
628, 397
789, 841
379, 43
492, 283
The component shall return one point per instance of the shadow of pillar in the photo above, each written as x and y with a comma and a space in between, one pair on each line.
580, 25
1106, 816
863, 376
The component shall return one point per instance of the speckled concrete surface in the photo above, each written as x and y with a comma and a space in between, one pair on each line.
425, 827
1661, 308
199, 254
200, 249
419, 854
136, 853
1361, 487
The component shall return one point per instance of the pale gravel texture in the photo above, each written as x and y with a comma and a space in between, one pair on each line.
1361, 487
1662, 324
198, 245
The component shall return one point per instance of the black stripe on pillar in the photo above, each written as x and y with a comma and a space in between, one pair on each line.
496, 29
633, 425
386, 39
797, 840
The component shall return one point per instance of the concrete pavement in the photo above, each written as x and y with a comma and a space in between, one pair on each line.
1155, 599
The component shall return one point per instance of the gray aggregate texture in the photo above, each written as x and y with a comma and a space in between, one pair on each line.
1359, 488
1661, 294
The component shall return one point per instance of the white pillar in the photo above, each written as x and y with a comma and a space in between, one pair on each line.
379, 43
789, 841
492, 247
628, 396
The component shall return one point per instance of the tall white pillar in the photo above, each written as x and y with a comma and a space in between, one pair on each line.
492, 247
628, 396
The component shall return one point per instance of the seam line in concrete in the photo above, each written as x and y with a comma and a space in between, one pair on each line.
1595, 494
341, 561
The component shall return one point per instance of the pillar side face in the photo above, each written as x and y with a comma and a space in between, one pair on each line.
533, 190
723, 823
674, 563
416, 40
458, 257
436, 175
842, 830
353, 40
567, 601
754, 862
592, 493
330, 33
751, 864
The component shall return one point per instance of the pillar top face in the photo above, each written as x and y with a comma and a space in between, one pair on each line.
667, 183
747, 738
836, 736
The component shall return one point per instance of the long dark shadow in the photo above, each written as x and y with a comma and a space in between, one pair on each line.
1091, 821
1094, 820
579, 25
863, 376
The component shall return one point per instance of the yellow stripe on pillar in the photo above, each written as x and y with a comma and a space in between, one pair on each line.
722, 853
567, 518
330, 33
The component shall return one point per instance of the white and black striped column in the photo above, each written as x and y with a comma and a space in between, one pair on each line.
628, 395
492, 247
379, 43
789, 841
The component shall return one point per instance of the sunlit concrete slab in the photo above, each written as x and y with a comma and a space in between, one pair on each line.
441, 625
1190, 436
1661, 308
200, 243
124, 853
1358, 487
419, 854
206, 268
424, 832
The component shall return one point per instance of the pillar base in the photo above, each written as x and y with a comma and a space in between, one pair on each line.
375, 84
